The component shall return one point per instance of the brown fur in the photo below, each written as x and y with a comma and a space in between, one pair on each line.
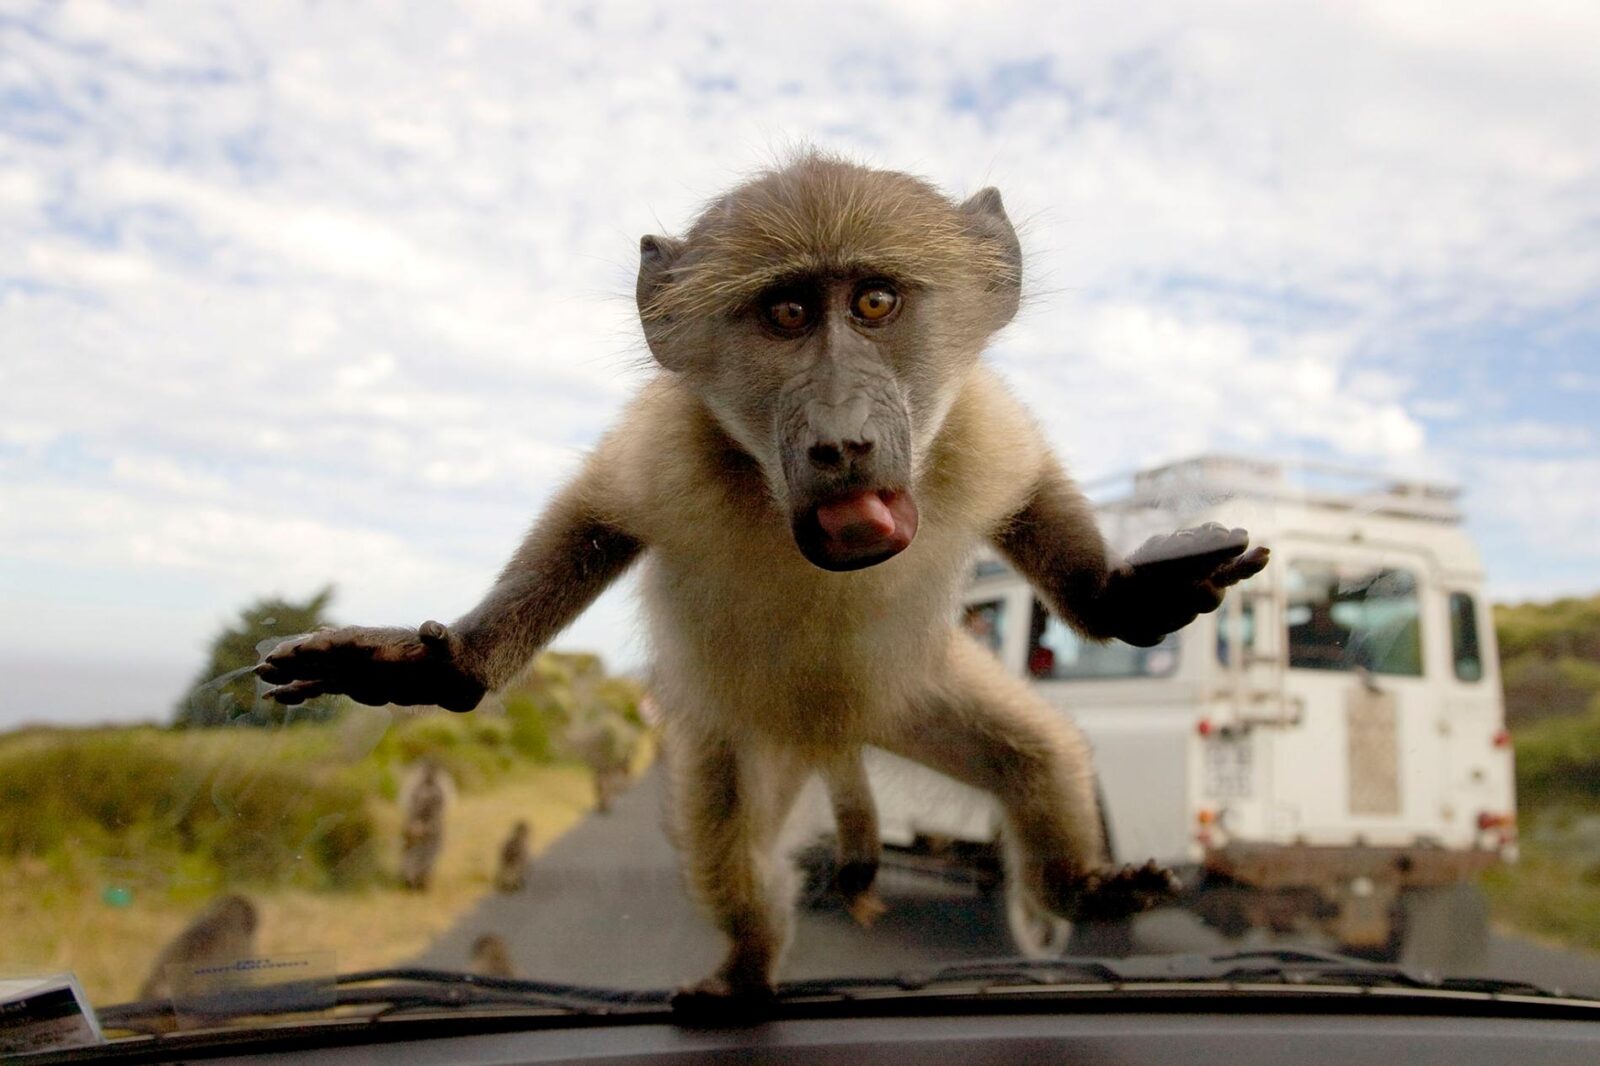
820, 215
224, 933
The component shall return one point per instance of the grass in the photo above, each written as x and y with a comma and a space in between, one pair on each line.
1547, 898
113, 839
56, 917
1553, 892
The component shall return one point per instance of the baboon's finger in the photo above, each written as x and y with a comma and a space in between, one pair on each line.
297, 691
1247, 565
272, 673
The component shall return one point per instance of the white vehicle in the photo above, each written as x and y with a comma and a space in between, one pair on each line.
1326, 753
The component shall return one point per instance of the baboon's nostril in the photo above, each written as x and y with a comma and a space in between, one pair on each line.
825, 455
857, 448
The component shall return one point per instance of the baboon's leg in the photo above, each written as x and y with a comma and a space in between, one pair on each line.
856, 818
987, 728
727, 808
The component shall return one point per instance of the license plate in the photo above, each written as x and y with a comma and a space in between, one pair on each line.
1230, 771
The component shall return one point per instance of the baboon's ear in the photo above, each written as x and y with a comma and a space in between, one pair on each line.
657, 255
986, 219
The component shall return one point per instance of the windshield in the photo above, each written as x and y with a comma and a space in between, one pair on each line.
804, 342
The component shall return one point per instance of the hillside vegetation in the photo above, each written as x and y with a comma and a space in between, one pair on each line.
194, 809
1550, 658
111, 839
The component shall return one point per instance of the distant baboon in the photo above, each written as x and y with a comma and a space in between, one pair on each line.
807, 479
606, 747
224, 933
511, 873
423, 802
491, 957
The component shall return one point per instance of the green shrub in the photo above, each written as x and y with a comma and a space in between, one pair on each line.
139, 797
1558, 759
475, 749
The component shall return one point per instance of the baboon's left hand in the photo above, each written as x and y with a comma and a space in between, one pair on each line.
375, 666
1173, 579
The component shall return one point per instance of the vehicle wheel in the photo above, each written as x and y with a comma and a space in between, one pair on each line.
1444, 929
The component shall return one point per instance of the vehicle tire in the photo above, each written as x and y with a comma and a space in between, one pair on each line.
1444, 929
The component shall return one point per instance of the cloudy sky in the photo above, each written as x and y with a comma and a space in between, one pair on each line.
292, 294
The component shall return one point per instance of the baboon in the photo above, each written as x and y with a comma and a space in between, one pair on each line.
806, 478
605, 745
511, 874
423, 801
491, 957
225, 932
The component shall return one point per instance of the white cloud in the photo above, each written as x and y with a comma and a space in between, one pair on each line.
299, 293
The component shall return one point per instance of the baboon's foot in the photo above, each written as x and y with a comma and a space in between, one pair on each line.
865, 907
1107, 893
717, 1000
854, 880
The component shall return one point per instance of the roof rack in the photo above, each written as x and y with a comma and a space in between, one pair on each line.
1213, 478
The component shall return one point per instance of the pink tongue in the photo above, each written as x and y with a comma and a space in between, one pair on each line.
853, 519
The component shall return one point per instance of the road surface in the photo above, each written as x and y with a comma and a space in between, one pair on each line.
604, 905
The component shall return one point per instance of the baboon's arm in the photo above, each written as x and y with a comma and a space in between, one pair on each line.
569, 557
1162, 587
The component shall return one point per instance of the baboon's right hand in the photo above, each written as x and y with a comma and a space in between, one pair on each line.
374, 666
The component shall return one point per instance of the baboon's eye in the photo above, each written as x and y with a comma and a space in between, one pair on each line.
875, 301
788, 314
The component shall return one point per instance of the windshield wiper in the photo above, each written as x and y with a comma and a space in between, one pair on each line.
1289, 966
390, 990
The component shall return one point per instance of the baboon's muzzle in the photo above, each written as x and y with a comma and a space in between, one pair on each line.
857, 530
847, 463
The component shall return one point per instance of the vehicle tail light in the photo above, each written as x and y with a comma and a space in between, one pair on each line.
1206, 816
1494, 820
1204, 727
1502, 738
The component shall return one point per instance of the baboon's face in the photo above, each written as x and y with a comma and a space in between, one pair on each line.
835, 377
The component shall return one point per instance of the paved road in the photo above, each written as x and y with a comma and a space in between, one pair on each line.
605, 905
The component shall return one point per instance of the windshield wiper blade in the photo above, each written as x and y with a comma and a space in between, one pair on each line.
1292, 966
394, 989
446, 984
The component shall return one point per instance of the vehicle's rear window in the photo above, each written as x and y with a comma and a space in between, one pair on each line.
1464, 648
1056, 653
1347, 618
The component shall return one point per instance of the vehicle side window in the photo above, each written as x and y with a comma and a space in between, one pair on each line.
1055, 652
986, 622
1344, 619
1464, 648
1247, 625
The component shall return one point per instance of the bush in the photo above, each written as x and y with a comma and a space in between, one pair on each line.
137, 797
1550, 657
1558, 759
